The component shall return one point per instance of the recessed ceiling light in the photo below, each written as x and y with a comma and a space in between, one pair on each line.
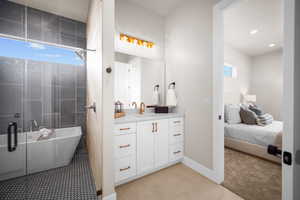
254, 31
272, 45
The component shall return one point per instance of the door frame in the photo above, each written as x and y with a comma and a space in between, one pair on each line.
288, 95
107, 107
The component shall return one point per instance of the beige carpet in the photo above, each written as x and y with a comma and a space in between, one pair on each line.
174, 183
252, 178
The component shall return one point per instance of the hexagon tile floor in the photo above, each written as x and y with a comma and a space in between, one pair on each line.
73, 182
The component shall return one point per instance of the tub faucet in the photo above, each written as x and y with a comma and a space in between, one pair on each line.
33, 125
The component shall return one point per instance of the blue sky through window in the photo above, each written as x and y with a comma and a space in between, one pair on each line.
228, 71
38, 52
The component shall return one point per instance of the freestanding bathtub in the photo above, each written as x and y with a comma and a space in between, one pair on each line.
40, 155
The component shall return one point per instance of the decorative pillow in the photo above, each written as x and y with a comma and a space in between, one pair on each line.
232, 114
248, 116
264, 119
258, 111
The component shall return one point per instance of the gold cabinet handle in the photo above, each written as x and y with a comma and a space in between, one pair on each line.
176, 152
124, 129
124, 169
124, 146
179, 134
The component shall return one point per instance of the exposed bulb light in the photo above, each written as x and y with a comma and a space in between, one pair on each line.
136, 41
272, 45
253, 32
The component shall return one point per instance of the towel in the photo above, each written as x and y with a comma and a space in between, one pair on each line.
45, 134
171, 98
155, 98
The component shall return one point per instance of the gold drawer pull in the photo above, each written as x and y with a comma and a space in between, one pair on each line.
177, 152
176, 122
124, 169
124, 129
179, 134
124, 146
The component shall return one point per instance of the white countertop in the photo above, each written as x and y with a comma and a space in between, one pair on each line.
136, 117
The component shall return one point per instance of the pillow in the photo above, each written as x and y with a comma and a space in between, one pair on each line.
258, 111
248, 116
265, 119
232, 114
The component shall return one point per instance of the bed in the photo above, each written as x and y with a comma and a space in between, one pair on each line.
254, 139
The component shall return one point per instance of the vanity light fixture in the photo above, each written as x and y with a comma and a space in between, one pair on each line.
136, 41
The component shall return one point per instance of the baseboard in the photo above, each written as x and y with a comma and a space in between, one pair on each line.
112, 196
204, 171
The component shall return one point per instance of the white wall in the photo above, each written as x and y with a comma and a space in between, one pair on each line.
189, 63
139, 22
267, 82
234, 87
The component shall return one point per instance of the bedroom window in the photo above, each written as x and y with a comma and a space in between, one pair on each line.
229, 71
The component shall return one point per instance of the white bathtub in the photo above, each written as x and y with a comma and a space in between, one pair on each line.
41, 155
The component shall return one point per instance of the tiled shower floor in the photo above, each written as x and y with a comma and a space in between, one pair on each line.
73, 182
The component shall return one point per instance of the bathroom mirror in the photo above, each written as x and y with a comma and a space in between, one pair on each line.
136, 79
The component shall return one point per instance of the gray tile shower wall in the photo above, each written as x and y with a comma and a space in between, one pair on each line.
12, 18
11, 86
41, 26
51, 28
53, 94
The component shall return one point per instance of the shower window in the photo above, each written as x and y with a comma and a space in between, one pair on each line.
39, 52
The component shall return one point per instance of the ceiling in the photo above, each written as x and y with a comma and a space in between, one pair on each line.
74, 9
161, 7
265, 16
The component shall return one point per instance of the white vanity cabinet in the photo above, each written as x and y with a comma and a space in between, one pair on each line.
143, 147
152, 145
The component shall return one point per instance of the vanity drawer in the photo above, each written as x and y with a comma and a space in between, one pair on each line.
121, 129
125, 168
175, 152
125, 145
175, 137
176, 125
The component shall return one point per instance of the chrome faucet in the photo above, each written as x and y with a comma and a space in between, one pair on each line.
33, 125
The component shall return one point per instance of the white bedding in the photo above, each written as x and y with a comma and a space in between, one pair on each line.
260, 135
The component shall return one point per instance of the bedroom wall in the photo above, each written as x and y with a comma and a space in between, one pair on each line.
267, 82
189, 31
139, 22
234, 87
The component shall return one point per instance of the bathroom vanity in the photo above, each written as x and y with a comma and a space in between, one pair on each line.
145, 143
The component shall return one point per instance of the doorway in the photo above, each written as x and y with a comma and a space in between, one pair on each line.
288, 84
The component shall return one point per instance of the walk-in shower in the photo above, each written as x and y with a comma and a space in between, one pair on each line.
43, 99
